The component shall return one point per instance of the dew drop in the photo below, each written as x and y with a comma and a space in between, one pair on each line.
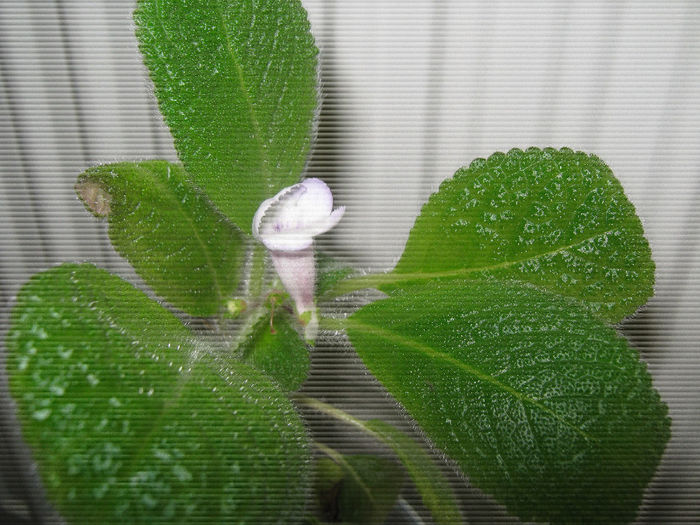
23, 362
63, 352
148, 501
181, 473
57, 390
41, 415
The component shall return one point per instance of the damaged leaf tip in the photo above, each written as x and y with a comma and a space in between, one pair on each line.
94, 197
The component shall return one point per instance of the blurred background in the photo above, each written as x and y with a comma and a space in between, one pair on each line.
411, 92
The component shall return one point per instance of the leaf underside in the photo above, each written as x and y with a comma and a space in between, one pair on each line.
236, 83
131, 423
175, 239
541, 404
557, 219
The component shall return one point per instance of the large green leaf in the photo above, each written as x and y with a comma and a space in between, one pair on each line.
276, 349
129, 422
541, 404
556, 219
176, 240
236, 82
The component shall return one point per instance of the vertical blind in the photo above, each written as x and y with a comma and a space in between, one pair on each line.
411, 92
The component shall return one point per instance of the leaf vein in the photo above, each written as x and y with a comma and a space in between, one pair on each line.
244, 89
371, 281
197, 237
475, 372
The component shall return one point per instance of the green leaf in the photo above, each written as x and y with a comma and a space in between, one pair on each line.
357, 488
434, 489
236, 83
129, 422
541, 404
328, 475
171, 234
278, 351
556, 219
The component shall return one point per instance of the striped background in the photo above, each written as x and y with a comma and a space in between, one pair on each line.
412, 90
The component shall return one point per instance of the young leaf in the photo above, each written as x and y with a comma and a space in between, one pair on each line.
278, 351
427, 478
130, 423
176, 240
542, 405
434, 489
556, 219
236, 82
328, 475
358, 489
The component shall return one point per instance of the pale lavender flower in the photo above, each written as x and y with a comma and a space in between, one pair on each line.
286, 224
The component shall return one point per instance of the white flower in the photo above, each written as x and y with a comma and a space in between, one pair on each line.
291, 219
286, 224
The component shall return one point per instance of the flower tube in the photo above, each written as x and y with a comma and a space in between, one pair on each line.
287, 224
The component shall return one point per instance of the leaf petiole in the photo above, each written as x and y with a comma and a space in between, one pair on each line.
257, 270
332, 411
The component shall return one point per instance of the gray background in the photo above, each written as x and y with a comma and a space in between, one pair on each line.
412, 91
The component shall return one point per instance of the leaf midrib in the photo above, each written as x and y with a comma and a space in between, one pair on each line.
438, 355
172, 400
203, 246
244, 88
160, 419
359, 283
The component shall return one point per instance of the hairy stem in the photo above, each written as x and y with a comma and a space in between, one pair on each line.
334, 412
257, 270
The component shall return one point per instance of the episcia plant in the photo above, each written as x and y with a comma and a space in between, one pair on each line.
495, 332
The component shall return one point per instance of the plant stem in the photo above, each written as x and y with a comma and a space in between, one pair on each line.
408, 509
335, 412
257, 271
254, 295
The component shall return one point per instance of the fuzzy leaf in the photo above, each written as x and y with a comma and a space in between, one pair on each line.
129, 422
278, 351
236, 83
556, 219
541, 404
171, 234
